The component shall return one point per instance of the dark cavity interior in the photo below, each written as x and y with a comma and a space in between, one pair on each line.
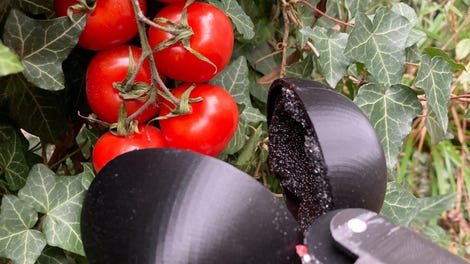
297, 160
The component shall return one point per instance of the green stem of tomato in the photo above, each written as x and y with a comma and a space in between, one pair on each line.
147, 53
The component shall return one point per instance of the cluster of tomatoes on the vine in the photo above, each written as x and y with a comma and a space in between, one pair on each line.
191, 42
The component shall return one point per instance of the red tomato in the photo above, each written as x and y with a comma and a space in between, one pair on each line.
111, 66
213, 38
210, 125
110, 146
111, 24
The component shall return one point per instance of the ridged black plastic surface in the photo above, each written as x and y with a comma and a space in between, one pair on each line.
323, 149
173, 206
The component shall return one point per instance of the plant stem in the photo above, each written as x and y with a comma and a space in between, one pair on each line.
147, 53
314, 8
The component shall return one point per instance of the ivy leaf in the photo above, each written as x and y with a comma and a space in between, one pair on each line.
406, 11
436, 52
435, 130
87, 175
40, 112
391, 111
238, 140
400, 206
252, 115
239, 18
13, 163
380, 45
18, 241
357, 6
54, 255
60, 199
43, 45
330, 45
234, 78
9, 62
35, 7
435, 77
302, 68
437, 235
432, 207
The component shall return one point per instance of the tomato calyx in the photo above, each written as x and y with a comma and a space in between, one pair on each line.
82, 6
124, 127
129, 88
181, 32
183, 107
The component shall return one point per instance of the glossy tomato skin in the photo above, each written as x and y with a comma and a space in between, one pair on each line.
213, 38
209, 127
111, 24
111, 66
110, 146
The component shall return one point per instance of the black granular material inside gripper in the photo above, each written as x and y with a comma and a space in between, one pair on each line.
295, 157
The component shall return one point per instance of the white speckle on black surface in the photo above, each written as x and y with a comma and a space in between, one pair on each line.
297, 160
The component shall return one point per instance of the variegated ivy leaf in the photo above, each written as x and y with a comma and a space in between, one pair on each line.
13, 163
239, 18
391, 111
18, 241
330, 45
234, 79
238, 140
43, 45
40, 112
35, 7
380, 45
400, 206
60, 199
435, 77
357, 6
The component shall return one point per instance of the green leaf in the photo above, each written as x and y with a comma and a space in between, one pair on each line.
234, 78
239, 18
436, 52
330, 45
238, 140
432, 207
462, 49
43, 45
40, 112
35, 7
303, 68
18, 241
400, 206
250, 147
380, 45
435, 78
252, 115
54, 255
87, 175
391, 111
437, 235
60, 198
357, 6
435, 129
406, 11
9, 62
13, 163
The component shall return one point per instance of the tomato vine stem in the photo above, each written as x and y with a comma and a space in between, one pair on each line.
147, 53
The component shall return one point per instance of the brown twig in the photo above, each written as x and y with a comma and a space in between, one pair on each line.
315, 9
